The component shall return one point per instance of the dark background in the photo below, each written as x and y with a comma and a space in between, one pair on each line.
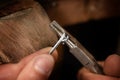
99, 37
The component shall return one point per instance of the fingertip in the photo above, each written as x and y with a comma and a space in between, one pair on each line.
111, 65
26, 59
55, 55
39, 68
83, 74
47, 50
44, 64
44, 50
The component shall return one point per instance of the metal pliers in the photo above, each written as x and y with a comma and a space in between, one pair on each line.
81, 54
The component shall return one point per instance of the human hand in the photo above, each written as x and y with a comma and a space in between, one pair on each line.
111, 68
37, 66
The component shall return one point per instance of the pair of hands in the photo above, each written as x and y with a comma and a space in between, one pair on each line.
38, 66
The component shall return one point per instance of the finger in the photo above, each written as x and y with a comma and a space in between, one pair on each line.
112, 65
9, 71
25, 60
38, 69
101, 63
84, 74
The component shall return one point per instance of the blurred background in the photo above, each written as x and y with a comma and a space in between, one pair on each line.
95, 23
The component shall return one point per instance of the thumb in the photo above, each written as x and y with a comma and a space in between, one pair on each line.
112, 65
39, 68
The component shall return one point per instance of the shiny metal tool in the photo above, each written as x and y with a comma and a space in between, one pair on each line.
75, 48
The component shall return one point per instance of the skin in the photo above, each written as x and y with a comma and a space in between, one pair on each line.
39, 65
36, 66
111, 69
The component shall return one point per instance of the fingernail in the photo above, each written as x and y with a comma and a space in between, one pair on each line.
44, 64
